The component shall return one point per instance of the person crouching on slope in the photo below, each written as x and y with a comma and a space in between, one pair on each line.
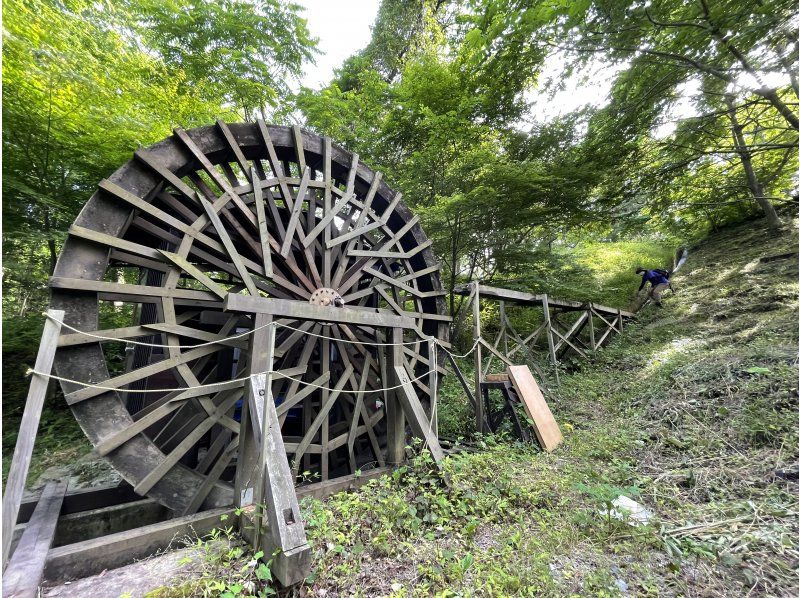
659, 282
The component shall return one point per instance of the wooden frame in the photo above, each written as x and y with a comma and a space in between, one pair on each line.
591, 327
222, 224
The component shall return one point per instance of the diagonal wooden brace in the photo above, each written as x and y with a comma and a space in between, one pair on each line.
415, 414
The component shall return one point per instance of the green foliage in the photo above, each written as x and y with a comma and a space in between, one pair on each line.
690, 413
221, 564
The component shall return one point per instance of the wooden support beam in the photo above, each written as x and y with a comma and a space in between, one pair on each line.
284, 532
461, 379
549, 332
22, 577
21, 459
300, 310
395, 420
478, 359
90, 557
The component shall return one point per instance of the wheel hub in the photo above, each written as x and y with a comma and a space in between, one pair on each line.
326, 296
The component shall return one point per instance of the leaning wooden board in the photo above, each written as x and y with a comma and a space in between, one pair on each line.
545, 426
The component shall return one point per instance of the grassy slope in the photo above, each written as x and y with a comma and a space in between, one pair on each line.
691, 412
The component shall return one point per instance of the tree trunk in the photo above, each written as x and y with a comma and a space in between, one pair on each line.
773, 222
51, 242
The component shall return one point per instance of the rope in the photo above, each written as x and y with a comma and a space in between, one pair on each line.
341, 340
214, 384
474, 346
226, 339
144, 344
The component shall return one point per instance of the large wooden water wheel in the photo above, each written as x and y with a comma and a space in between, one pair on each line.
246, 209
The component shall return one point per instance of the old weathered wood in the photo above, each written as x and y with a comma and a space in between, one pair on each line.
29, 425
523, 298
202, 218
395, 419
306, 311
415, 414
284, 533
91, 557
545, 426
478, 356
23, 575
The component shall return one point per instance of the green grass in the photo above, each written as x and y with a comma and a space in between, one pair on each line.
691, 412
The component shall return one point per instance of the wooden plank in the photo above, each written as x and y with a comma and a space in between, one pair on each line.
415, 414
112, 335
341, 484
81, 499
91, 557
195, 272
233, 254
544, 424
22, 577
300, 310
118, 382
189, 332
261, 213
111, 241
294, 219
523, 298
327, 219
402, 286
237, 152
21, 459
121, 289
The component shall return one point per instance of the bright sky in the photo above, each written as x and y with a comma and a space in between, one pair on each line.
343, 27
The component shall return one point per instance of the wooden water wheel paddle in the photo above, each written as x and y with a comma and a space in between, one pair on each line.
249, 210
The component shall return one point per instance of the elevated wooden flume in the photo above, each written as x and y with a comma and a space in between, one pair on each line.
287, 319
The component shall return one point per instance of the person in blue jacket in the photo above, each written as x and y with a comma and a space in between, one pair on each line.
659, 282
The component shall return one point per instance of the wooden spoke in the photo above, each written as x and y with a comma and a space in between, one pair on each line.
264, 235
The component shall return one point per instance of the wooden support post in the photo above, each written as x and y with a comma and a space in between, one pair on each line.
270, 484
591, 327
503, 329
259, 397
21, 460
395, 420
26, 567
433, 376
549, 331
619, 317
284, 539
476, 334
